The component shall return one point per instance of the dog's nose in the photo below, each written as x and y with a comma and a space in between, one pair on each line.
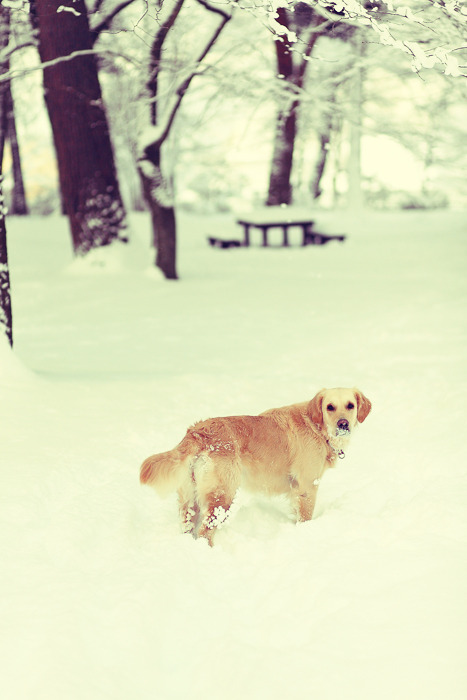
343, 424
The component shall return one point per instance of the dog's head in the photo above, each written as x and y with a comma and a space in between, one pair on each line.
339, 410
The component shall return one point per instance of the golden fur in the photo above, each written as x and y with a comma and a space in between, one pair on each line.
283, 450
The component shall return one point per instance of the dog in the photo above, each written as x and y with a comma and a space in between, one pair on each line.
281, 451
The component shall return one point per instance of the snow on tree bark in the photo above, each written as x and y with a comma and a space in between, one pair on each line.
161, 205
86, 166
6, 324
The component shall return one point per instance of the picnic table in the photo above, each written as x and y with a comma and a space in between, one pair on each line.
284, 218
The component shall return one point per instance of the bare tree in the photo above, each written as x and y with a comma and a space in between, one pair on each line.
156, 188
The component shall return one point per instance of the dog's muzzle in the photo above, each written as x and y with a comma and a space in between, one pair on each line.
342, 427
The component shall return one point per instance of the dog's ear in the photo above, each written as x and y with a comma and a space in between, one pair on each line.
315, 408
363, 406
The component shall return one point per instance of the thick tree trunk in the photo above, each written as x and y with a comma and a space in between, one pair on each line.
87, 173
280, 188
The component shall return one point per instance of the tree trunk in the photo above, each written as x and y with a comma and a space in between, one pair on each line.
292, 61
316, 190
6, 324
354, 167
280, 188
18, 201
87, 173
158, 195
160, 203
4, 86
159, 200
291, 67
324, 141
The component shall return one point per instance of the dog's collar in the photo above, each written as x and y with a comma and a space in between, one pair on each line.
340, 453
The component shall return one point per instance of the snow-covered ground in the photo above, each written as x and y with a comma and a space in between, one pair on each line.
102, 598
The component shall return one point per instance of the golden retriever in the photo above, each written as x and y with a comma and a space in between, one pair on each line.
281, 451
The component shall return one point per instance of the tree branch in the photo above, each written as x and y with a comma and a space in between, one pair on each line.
318, 29
70, 57
183, 87
156, 52
106, 22
8, 52
212, 8
97, 6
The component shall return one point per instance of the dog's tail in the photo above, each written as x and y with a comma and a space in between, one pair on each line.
166, 471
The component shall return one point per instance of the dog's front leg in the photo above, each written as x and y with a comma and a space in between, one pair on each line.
304, 501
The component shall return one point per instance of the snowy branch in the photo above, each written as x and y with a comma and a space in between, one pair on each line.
6, 54
442, 54
70, 57
445, 20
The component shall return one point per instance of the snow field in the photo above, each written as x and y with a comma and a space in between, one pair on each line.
102, 597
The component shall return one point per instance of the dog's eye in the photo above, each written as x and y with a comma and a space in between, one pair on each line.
350, 406
330, 407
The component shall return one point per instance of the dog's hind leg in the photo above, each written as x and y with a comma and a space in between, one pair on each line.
189, 514
188, 505
214, 512
217, 479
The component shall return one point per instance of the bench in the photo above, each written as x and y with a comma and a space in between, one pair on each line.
224, 242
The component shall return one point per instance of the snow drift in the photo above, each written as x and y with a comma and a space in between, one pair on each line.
100, 594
